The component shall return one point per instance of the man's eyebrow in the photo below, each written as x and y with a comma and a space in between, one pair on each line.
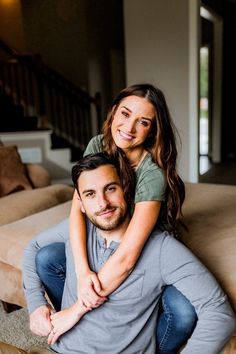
106, 186
87, 191
112, 184
149, 119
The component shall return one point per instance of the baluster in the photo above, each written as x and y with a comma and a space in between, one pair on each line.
24, 79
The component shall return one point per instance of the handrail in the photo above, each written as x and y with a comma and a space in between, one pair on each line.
62, 105
8, 49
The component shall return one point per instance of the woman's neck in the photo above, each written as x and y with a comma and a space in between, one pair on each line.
135, 157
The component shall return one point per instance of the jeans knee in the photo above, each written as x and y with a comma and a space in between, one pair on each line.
178, 310
49, 257
186, 321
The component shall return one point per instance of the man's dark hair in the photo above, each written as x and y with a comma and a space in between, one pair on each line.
93, 161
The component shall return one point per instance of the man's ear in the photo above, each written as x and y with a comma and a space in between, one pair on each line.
81, 205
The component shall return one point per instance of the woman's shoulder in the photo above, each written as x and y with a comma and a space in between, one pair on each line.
148, 166
96, 140
94, 145
150, 181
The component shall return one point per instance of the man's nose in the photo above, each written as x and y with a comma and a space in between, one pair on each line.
102, 201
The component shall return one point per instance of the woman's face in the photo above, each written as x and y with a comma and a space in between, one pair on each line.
132, 122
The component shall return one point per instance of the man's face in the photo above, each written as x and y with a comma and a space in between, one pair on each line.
102, 197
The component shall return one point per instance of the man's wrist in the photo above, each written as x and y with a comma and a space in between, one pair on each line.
33, 307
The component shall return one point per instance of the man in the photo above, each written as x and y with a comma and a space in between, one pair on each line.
126, 322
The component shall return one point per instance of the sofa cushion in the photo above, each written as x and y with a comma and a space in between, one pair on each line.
14, 237
38, 175
21, 204
13, 176
210, 214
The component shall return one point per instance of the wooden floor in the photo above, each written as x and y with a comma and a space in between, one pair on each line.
221, 173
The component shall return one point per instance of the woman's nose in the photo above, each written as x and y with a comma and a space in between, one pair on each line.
130, 125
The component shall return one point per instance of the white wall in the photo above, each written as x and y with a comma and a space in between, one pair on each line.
161, 41
57, 30
11, 24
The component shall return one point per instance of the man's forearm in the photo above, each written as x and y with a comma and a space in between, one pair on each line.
34, 291
213, 330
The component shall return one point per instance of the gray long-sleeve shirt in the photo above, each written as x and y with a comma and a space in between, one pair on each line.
126, 322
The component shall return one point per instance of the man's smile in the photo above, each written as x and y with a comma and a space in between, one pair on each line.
107, 212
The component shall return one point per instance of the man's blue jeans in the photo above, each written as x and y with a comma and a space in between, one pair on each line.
177, 317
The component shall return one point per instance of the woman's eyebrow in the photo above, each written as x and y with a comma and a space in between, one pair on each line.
127, 108
149, 119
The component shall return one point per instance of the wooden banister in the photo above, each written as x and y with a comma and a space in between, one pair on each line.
61, 105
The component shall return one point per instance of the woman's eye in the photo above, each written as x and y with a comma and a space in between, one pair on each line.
144, 123
125, 114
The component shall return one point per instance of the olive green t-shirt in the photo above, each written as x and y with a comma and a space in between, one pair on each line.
150, 179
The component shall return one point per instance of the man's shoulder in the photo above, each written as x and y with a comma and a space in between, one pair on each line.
163, 240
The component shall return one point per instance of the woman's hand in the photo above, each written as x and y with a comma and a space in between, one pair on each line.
64, 320
88, 290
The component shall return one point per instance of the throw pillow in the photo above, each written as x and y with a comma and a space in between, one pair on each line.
38, 175
13, 175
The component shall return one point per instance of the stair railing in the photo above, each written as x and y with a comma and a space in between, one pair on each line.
61, 105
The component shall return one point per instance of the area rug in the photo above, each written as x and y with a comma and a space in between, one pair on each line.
14, 329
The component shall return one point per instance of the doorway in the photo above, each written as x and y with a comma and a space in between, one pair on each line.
210, 90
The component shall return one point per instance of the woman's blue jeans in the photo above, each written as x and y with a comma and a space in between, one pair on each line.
177, 317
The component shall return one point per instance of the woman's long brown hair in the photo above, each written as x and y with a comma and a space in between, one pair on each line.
161, 143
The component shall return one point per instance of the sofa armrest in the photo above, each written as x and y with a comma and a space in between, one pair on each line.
38, 175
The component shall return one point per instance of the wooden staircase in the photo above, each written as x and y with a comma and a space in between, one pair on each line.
34, 96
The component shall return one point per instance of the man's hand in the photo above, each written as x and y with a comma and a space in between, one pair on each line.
88, 290
40, 322
64, 320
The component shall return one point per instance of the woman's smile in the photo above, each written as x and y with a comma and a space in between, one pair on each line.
125, 135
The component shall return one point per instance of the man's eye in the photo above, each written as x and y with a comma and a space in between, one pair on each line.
89, 195
111, 189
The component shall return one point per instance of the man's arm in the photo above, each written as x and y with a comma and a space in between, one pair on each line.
216, 320
38, 306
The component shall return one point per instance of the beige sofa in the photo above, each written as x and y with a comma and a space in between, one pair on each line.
43, 195
210, 214
26, 189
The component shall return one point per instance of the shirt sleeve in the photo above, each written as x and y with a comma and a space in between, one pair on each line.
216, 320
151, 185
94, 146
33, 288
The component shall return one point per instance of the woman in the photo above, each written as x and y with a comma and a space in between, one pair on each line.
138, 129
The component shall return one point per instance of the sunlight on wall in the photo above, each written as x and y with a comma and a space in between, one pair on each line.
11, 24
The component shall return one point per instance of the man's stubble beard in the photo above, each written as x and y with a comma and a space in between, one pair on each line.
113, 224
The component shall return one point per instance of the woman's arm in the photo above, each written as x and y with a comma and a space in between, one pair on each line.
121, 263
88, 283
78, 237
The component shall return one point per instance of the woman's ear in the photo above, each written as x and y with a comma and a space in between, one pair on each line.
113, 110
